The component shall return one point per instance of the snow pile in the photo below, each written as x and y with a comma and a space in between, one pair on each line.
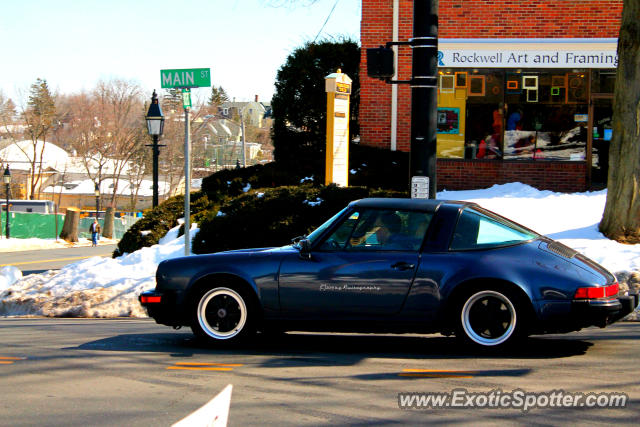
8, 276
94, 287
105, 287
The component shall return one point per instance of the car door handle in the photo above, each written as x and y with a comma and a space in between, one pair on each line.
402, 266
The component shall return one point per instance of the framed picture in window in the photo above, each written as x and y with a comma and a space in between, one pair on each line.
532, 95
476, 86
461, 79
513, 83
447, 83
558, 81
448, 120
577, 88
530, 82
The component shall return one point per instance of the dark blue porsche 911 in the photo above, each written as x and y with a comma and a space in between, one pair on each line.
393, 265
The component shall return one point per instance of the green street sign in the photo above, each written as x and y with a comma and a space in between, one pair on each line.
186, 98
190, 77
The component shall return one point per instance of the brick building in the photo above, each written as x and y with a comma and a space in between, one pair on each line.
524, 89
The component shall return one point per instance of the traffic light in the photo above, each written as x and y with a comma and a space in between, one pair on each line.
380, 63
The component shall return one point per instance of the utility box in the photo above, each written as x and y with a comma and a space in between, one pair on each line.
380, 63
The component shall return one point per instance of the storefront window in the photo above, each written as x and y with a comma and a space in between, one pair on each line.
514, 114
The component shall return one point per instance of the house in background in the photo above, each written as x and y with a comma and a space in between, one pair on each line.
81, 193
253, 112
217, 144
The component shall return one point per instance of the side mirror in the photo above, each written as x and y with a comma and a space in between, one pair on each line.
305, 249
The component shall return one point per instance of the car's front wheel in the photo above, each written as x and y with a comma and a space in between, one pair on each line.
222, 315
490, 318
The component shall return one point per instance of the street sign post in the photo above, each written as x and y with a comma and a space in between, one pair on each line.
183, 78
186, 79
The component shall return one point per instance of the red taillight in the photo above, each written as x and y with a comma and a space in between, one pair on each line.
594, 293
150, 299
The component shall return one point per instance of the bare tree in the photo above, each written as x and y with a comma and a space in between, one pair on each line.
135, 174
122, 112
106, 129
621, 218
8, 114
86, 135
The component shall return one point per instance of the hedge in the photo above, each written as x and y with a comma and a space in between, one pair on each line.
157, 221
272, 217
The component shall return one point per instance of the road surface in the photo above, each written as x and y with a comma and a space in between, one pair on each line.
38, 261
77, 372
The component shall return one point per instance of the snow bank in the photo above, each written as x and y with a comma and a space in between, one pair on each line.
8, 276
94, 287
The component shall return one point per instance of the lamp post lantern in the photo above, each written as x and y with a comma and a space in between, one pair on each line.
155, 126
6, 178
96, 191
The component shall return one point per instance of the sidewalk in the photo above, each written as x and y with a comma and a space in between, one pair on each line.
17, 245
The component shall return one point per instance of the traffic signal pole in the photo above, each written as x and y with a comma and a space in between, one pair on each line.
423, 83
424, 45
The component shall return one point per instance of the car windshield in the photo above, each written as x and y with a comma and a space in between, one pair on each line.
480, 229
318, 231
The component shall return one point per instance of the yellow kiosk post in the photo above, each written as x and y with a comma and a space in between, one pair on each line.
338, 88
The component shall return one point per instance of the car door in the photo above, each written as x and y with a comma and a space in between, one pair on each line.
364, 267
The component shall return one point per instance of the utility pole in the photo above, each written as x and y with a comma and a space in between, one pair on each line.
244, 158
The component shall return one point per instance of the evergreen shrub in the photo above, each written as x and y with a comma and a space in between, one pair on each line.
274, 216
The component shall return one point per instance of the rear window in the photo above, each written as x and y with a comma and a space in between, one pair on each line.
478, 229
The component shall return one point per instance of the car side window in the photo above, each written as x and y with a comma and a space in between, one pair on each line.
379, 230
476, 230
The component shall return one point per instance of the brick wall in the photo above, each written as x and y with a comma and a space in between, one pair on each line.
375, 95
528, 18
458, 174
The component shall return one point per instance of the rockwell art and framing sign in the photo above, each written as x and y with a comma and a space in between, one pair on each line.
528, 53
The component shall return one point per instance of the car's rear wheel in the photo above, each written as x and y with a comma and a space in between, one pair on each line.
490, 318
222, 315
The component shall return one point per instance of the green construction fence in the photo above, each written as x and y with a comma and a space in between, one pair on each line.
25, 225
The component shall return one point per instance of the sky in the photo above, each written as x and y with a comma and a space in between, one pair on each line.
75, 43
107, 287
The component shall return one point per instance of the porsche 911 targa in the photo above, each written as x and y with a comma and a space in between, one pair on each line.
393, 265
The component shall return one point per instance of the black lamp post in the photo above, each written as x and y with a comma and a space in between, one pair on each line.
6, 178
155, 126
96, 191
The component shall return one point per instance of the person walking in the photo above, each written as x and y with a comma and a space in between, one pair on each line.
94, 228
